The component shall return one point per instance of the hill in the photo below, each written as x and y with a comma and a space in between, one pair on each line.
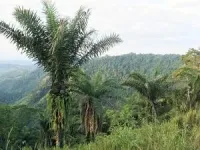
30, 87
121, 66
16, 84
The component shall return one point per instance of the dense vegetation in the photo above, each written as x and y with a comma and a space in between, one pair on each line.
59, 45
120, 117
121, 102
122, 66
34, 82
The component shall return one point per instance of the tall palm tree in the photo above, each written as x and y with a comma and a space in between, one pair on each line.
92, 92
60, 46
151, 89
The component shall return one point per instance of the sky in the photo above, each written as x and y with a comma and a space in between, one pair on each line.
145, 26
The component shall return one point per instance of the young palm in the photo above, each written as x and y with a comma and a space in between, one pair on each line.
92, 92
60, 46
151, 89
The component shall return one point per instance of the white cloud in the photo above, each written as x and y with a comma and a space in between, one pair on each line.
149, 26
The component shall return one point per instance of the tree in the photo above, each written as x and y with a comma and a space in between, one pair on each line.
151, 89
192, 59
189, 76
93, 92
60, 46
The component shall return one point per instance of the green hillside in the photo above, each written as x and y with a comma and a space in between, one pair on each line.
29, 88
121, 66
14, 85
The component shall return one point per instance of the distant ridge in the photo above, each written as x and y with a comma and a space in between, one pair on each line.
25, 87
17, 62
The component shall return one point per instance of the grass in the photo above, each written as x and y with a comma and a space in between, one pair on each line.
181, 133
150, 137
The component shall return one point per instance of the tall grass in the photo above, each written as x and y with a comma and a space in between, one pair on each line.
181, 133
150, 137
8, 139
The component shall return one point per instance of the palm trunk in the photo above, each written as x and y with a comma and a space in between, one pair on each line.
89, 121
59, 96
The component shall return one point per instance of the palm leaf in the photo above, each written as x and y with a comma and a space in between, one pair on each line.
99, 47
31, 23
52, 21
17, 37
138, 77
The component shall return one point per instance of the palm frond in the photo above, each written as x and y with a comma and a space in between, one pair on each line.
16, 36
58, 39
34, 28
100, 47
82, 44
52, 21
139, 86
152, 89
31, 23
24, 42
80, 21
138, 77
72, 38
77, 37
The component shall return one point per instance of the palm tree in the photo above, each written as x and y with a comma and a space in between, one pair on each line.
151, 89
92, 92
60, 46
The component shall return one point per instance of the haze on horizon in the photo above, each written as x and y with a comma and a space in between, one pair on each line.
148, 26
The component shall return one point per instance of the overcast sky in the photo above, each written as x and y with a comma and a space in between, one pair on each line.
146, 26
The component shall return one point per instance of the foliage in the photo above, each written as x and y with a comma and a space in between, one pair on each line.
166, 136
189, 76
121, 66
93, 93
134, 113
31, 81
151, 89
121, 106
126, 120
24, 123
60, 46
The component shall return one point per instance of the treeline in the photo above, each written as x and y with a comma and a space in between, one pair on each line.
18, 86
122, 66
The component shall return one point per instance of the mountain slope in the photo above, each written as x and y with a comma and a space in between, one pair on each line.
121, 66
30, 88
15, 85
